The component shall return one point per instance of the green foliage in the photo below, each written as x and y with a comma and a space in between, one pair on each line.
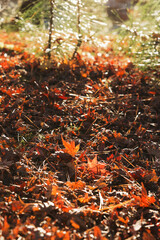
140, 37
69, 26
65, 14
34, 13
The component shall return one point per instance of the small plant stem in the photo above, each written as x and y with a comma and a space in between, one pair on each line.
78, 29
50, 28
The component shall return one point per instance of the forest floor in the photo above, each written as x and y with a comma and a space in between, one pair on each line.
79, 146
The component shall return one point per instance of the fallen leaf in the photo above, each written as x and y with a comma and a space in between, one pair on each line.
70, 147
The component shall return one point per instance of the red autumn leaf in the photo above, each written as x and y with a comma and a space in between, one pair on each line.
56, 105
16, 206
95, 167
84, 199
70, 147
62, 97
125, 221
31, 189
54, 190
147, 235
67, 236
97, 233
76, 185
35, 207
5, 227
121, 72
153, 176
152, 92
144, 191
20, 129
74, 224
146, 201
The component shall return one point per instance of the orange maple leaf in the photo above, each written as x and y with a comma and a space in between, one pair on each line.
70, 147
92, 163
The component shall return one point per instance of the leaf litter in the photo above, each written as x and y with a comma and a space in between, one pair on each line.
79, 147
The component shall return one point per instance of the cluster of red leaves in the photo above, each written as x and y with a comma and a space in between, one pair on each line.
79, 149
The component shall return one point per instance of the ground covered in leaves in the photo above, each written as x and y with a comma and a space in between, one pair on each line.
79, 147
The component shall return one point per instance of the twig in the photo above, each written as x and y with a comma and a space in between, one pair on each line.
30, 121
78, 29
50, 28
